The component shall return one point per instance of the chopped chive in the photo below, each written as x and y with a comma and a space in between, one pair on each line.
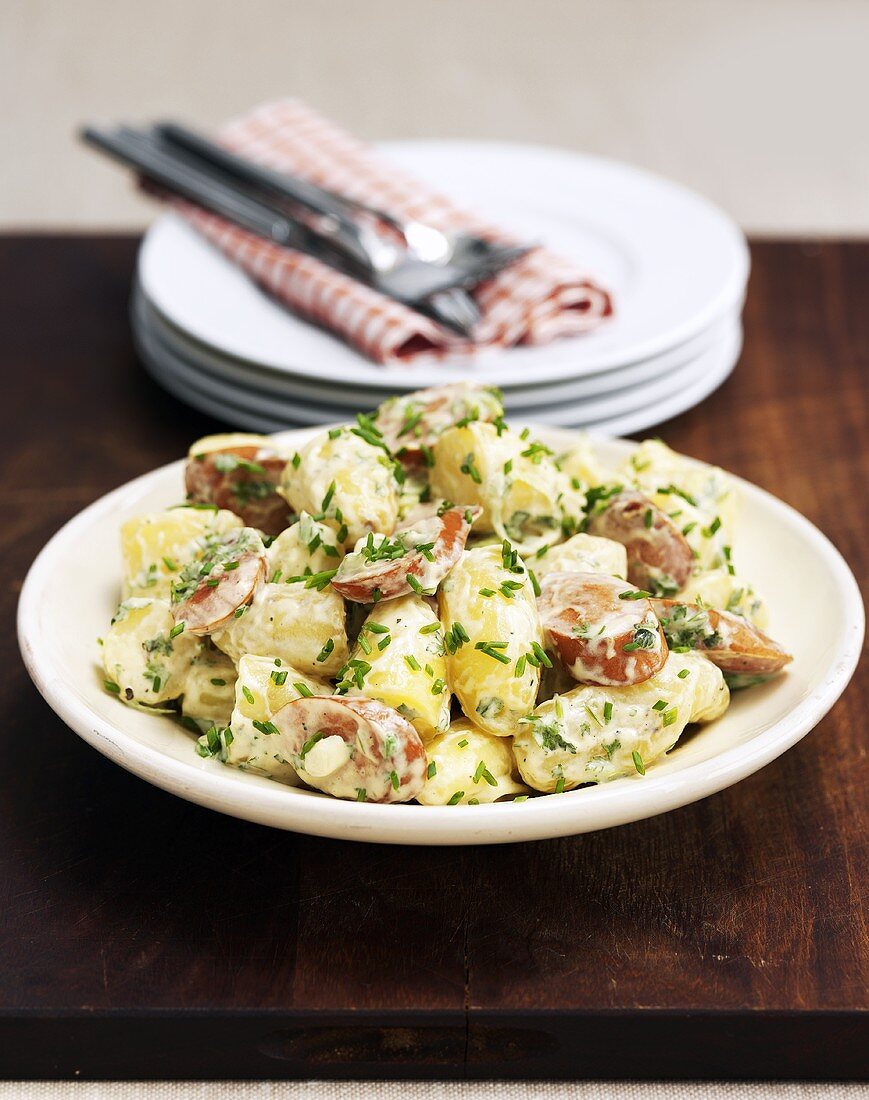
709, 531
265, 727
247, 693
432, 770
218, 682
638, 762
660, 705
491, 649
670, 716
639, 594
411, 662
303, 690
360, 794
393, 777
541, 654
487, 592
309, 744
326, 650
685, 672
559, 785
430, 628
535, 584
279, 678
111, 686
648, 518
456, 798
607, 712
463, 744
177, 629
520, 667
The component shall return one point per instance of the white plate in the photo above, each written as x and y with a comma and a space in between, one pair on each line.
71, 590
674, 262
640, 406
344, 399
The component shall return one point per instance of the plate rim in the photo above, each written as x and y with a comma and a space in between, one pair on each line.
146, 318
732, 289
661, 391
536, 819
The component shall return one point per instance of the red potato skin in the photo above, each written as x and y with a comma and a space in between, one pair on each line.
212, 606
658, 548
743, 648
333, 715
205, 484
449, 533
569, 601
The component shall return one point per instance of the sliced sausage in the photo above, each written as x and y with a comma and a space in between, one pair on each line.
354, 748
416, 558
213, 588
242, 479
411, 423
659, 556
604, 629
731, 642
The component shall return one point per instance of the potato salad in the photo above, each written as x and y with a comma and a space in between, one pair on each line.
429, 605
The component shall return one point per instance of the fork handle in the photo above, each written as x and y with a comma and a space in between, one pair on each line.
241, 210
314, 198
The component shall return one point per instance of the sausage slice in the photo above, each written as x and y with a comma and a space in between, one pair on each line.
604, 629
416, 558
353, 748
659, 556
242, 479
211, 589
728, 640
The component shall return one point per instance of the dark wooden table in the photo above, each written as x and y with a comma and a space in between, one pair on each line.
145, 937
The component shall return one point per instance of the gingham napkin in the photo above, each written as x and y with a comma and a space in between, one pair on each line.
537, 299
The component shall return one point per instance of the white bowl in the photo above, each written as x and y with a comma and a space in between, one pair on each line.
71, 592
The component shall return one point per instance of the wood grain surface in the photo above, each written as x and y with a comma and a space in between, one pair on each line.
144, 936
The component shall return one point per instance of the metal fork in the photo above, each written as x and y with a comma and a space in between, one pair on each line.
435, 291
434, 246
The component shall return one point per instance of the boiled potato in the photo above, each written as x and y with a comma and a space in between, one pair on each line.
306, 547
494, 638
304, 627
145, 655
524, 497
156, 546
253, 743
346, 481
467, 766
399, 660
209, 687
593, 734
581, 554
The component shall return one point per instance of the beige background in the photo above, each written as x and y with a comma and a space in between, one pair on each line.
761, 104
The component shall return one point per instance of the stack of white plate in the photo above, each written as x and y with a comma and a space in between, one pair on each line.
677, 267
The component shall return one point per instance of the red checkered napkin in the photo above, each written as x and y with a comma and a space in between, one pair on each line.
537, 299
